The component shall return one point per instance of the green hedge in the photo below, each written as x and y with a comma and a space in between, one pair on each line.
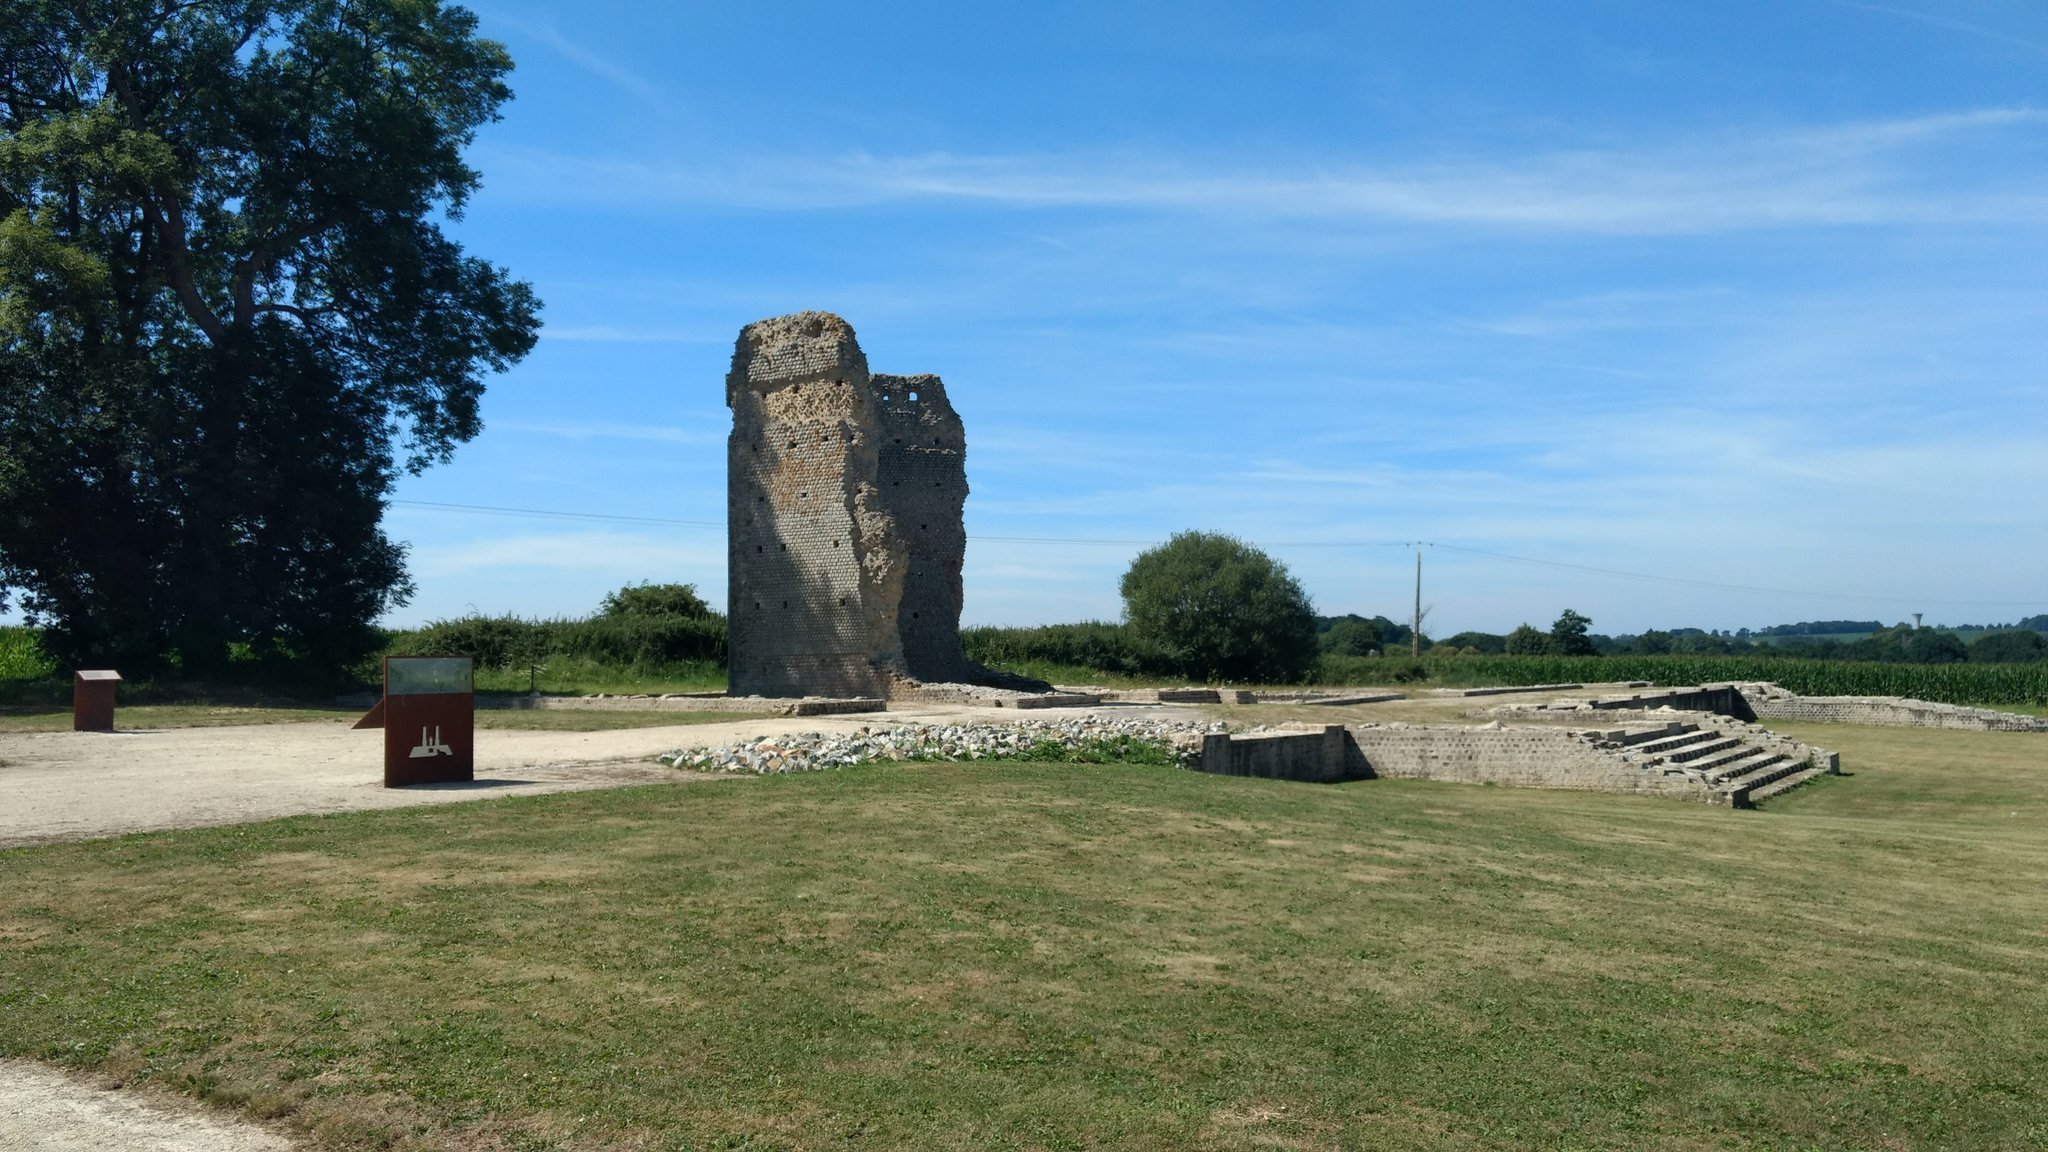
509, 642
1091, 644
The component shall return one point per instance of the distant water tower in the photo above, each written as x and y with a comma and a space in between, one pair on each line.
1916, 621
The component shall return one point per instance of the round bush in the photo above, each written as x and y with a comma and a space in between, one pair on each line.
1219, 609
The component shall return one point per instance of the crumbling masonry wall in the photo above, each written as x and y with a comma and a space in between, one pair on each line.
921, 460
1517, 757
814, 565
1893, 711
845, 538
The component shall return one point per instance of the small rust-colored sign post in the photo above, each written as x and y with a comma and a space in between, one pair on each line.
429, 714
92, 699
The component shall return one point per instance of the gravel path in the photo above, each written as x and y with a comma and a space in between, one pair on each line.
78, 785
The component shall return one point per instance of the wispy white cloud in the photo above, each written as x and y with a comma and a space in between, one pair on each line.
1948, 22
1867, 172
592, 62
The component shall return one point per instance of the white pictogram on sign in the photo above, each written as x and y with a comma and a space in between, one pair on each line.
432, 747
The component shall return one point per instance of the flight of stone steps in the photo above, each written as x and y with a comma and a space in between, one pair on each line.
1745, 763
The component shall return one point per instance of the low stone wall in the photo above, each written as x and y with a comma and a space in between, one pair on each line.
1517, 757
752, 705
1307, 757
1892, 711
1324, 757
1721, 699
1241, 696
1354, 698
1557, 758
1030, 701
984, 696
1505, 690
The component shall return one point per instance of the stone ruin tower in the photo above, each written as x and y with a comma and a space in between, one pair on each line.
844, 495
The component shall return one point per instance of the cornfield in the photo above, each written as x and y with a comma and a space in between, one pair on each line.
1946, 683
21, 658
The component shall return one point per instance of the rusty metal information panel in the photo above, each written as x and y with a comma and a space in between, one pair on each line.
429, 720
92, 699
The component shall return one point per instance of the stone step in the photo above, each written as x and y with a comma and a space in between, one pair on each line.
1784, 784
1717, 764
1701, 749
1750, 760
1761, 775
1636, 739
1665, 745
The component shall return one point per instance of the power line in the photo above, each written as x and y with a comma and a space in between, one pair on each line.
1155, 540
497, 510
1680, 580
494, 510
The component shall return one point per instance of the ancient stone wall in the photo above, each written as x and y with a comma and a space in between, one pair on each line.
814, 562
921, 456
844, 532
1325, 757
1722, 699
1893, 711
1517, 757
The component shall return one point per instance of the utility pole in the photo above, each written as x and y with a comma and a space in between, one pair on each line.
1415, 631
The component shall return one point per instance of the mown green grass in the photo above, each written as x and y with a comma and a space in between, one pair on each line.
1060, 956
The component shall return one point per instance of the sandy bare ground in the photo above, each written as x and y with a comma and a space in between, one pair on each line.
45, 1111
77, 785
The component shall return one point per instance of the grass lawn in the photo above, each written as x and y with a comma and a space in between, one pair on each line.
1057, 956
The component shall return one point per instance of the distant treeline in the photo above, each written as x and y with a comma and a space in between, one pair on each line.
1901, 644
1855, 627
1095, 646
1820, 628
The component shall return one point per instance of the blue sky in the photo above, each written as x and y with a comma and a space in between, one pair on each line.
1749, 297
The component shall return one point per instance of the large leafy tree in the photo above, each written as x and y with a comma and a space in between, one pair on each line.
1220, 609
229, 314
2008, 647
1568, 635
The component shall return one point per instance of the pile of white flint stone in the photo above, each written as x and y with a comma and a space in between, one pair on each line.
816, 751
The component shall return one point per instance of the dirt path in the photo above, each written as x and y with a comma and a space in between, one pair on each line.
77, 785
42, 1110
